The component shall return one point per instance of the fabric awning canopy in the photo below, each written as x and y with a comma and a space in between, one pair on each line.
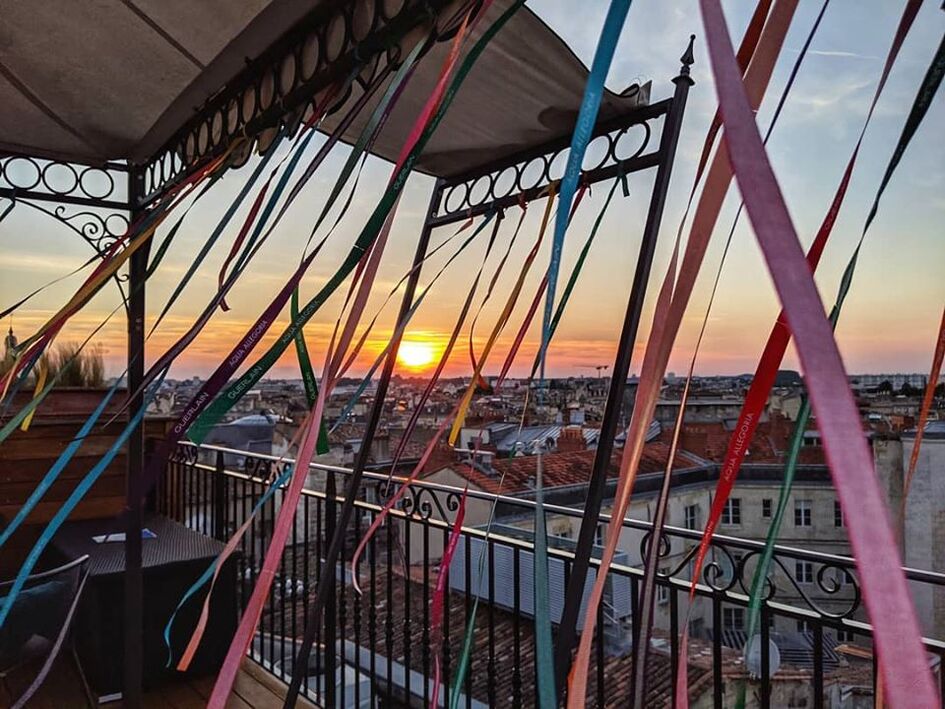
115, 79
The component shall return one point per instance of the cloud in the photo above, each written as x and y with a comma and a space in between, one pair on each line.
836, 53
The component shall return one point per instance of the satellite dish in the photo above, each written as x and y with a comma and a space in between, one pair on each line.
753, 657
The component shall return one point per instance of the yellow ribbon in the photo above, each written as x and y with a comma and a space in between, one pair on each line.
503, 319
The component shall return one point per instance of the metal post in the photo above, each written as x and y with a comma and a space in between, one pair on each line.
331, 601
219, 498
354, 482
132, 651
567, 632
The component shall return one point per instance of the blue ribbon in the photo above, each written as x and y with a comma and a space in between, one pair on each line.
583, 130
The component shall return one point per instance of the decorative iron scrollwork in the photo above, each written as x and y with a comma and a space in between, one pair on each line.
49, 180
618, 147
284, 85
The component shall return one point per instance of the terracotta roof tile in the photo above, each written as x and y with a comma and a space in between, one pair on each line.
514, 475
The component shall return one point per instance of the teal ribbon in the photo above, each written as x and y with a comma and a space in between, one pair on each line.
70, 504
583, 130
208, 573
576, 272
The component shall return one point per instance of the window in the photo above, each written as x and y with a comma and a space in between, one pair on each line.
733, 618
837, 514
692, 516
803, 626
845, 636
600, 534
804, 571
662, 592
732, 512
766, 508
802, 513
842, 577
562, 530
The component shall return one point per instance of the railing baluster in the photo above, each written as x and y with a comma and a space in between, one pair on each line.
716, 649
601, 640
372, 608
389, 616
426, 612
491, 667
319, 647
517, 630
634, 613
356, 602
818, 665
445, 629
764, 639
673, 638
469, 611
306, 578
272, 592
408, 628
342, 620
331, 605
293, 604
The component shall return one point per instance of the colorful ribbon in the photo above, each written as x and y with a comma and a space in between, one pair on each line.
927, 398
426, 124
671, 306
902, 657
776, 346
648, 590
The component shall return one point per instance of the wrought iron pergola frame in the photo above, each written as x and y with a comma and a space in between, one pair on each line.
272, 92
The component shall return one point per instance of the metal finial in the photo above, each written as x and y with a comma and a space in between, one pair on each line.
687, 58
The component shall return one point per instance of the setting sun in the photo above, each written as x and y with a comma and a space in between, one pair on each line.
415, 355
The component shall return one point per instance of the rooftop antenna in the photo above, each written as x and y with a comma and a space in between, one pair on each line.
599, 367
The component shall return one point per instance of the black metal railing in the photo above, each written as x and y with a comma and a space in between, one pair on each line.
377, 648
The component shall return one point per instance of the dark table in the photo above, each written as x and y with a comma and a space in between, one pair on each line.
171, 563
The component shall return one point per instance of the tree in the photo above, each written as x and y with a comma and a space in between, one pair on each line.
885, 387
908, 390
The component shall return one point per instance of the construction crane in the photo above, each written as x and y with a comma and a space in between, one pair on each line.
599, 367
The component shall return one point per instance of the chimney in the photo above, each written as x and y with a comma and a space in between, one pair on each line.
571, 438
380, 447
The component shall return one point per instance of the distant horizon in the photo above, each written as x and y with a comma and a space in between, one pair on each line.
407, 375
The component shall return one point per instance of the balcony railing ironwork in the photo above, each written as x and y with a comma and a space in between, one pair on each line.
378, 647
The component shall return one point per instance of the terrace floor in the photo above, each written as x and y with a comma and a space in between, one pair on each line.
255, 688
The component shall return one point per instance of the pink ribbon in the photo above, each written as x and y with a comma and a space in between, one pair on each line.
902, 658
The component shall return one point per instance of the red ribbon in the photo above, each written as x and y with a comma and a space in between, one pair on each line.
776, 346
902, 658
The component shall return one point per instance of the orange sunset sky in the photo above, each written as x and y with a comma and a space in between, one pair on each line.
890, 319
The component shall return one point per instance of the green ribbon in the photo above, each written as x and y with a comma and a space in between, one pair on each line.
920, 106
308, 375
215, 412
